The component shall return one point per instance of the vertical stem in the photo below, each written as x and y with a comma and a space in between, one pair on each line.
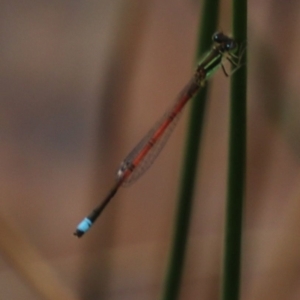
171, 291
237, 164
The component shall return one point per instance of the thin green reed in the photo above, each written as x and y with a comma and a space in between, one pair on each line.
208, 25
237, 164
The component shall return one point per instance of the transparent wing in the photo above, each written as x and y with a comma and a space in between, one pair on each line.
147, 160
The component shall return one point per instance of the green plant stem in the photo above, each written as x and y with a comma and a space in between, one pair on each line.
174, 273
237, 164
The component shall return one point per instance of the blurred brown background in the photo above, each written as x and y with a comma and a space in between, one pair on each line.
80, 83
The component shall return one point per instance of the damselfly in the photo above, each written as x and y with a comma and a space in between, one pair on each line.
146, 151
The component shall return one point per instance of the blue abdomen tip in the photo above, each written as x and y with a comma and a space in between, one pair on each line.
84, 225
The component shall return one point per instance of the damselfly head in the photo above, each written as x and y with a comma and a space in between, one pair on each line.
226, 43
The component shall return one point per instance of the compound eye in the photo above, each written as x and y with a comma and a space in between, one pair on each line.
218, 37
231, 45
